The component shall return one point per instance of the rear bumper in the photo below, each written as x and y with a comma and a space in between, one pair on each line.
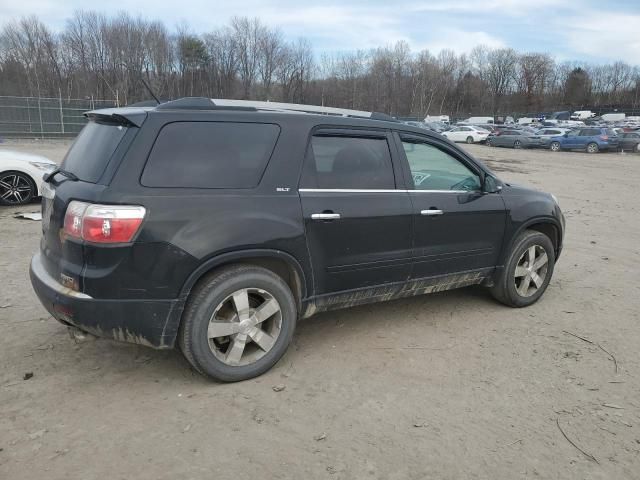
153, 323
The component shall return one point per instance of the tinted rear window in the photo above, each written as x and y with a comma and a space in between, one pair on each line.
90, 153
210, 155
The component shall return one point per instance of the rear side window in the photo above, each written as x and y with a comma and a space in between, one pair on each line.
348, 163
91, 151
590, 132
210, 155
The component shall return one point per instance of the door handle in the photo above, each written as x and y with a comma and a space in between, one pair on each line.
325, 216
431, 212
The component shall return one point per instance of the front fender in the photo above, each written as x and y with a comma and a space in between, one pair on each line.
526, 208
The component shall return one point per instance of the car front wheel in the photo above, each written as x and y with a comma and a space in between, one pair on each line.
238, 323
555, 146
16, 188
527, 271
469, 139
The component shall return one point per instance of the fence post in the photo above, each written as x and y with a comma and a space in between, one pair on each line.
29, 115
61, 115
40, 115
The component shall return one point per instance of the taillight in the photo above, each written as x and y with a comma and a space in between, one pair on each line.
604, 137
103, 223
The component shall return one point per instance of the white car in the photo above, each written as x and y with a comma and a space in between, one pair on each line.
467, 134
21, 176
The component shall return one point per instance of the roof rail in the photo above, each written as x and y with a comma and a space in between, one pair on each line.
199, 103
294, 107
202, 103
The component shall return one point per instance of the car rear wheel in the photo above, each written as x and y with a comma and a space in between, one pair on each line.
238, 323
638, 147
16, 188
517, 144
469, 139
592, 148
555, 146
527, 272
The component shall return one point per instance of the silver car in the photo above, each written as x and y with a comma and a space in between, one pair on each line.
543, 137
511, 138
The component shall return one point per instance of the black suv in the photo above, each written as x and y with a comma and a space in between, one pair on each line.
215, 225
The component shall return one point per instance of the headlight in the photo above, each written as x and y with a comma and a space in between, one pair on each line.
43, 166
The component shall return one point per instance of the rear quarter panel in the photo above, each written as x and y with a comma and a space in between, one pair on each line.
205, 223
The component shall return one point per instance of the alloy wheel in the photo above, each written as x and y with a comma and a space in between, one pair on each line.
517, 144
531, 270
244, 327
555, 146
15, 189
592, 148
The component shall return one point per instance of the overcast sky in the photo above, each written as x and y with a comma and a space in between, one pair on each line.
592, 30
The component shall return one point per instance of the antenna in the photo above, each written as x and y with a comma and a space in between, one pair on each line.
140, 77
149, 89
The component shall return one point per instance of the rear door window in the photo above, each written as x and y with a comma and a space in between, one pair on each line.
90, 153
343, 162
210, 155
590, 132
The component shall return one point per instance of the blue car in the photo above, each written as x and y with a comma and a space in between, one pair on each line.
590, 139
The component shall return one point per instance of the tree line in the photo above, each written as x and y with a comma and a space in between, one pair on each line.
104, 57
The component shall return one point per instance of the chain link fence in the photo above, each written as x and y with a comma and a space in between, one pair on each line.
37, 117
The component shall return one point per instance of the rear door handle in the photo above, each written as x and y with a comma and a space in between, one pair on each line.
431, 212
325, 216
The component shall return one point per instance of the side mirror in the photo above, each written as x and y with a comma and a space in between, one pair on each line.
490, 185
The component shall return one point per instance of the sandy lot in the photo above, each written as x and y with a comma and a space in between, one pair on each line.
447, 386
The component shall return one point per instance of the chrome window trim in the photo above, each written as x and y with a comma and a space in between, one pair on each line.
355, 190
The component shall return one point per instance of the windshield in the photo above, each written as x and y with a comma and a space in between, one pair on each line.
90, 153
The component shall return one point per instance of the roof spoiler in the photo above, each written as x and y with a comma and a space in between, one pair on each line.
130, 117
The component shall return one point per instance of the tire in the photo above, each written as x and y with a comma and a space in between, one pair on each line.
593, 148
469, 139
509, 288
554, 146
638, 148
489, 144
16, 188
215, 297
517, 144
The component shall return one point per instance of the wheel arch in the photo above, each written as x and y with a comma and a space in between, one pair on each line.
281, 263
548, 226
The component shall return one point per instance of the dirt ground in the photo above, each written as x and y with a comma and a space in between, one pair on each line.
447, 386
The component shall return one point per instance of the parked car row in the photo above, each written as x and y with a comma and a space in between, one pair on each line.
589, 139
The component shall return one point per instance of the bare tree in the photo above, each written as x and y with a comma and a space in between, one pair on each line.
99, 56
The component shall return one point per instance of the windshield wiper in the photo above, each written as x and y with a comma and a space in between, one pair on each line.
49, 176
